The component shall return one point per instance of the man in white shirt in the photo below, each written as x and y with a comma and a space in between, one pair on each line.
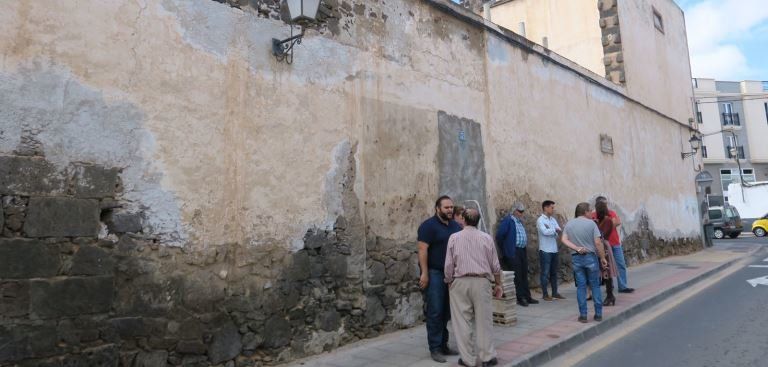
548, 229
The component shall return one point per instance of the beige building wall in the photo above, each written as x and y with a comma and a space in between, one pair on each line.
706, 94
571, 27
756, 120
656, 63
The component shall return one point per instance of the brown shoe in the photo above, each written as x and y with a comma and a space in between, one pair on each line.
558, 296
547, 298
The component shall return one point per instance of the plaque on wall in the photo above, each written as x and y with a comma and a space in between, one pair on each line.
606, 144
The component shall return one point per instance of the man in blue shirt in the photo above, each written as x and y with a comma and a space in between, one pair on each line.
433, 237
512, 239
548, 229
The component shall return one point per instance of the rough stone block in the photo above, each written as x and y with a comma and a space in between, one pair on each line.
105, 355
123, 222
151, 359
29, 176
191, 347
300, 270
252, 341
14, 298
374, 311
62, 217
130, 327
2, 218
71, 296
95, 181
277, 332
329, 320
225, 345
19, 342
23, 258
91, 260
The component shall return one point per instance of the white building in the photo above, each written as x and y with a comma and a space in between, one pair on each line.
733, 117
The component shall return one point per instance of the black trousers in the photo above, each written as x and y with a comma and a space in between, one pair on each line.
519, 265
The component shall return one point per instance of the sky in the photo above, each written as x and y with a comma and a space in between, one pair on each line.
728, 39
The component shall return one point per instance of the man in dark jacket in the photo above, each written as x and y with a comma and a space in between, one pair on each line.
512, 240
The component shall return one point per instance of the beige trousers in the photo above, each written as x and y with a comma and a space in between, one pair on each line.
471, 312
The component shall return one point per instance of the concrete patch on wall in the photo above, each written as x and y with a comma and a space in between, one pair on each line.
205, 25
461, 161
74, 123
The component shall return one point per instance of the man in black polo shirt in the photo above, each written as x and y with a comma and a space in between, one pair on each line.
433, 243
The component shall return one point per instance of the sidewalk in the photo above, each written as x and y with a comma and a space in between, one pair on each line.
548, 329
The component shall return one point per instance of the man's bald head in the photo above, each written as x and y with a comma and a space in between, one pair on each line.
472, 217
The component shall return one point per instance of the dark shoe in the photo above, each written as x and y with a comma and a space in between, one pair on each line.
449, 352
547, 298
522, 302
609, 301
598, 317
627, 290
589, 298
532, 301
558, 296
492, 362
438, 357
583, 319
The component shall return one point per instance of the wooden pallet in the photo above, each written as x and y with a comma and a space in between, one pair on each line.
502, 321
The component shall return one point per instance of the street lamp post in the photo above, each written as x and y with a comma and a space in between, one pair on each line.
734, 151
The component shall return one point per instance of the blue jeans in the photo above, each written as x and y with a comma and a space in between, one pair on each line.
621, 264
548, 264
586, 270
437, 311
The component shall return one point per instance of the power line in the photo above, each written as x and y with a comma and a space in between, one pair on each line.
732, 100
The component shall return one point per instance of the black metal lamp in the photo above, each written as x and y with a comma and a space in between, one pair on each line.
302, 12
695, 142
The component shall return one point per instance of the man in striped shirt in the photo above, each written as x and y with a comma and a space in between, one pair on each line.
471, 263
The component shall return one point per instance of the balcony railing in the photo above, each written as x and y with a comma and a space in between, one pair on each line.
739, 151
731, 119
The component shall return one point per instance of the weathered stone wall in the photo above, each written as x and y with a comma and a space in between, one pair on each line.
225, 208
81, 284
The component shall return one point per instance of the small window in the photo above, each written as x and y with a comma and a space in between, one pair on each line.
658, 21
725, 172
715, 214
747, 171
703, 151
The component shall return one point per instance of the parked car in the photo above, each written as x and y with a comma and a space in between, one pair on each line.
726, 221
760, 226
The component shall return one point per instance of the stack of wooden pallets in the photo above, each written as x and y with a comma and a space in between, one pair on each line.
504, 313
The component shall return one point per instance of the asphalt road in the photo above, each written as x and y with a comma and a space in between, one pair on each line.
726, 324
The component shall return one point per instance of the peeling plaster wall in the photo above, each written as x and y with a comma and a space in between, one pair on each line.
293, 192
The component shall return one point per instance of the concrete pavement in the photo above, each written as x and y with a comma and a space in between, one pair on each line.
549, 329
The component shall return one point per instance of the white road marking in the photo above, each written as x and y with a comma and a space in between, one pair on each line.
758, 266
761, 280
766, 259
